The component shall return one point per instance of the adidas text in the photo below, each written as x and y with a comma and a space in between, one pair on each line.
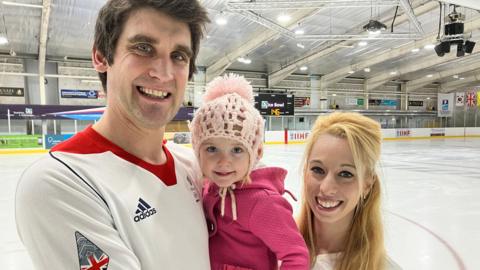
145, 214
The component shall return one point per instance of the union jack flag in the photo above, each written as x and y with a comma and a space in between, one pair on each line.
471, 99
94, 264
90, 256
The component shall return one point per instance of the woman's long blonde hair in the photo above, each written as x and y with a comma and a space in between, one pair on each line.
364, 246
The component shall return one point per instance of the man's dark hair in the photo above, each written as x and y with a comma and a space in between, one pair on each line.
113, 15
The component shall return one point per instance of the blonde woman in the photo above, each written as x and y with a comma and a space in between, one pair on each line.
340, 217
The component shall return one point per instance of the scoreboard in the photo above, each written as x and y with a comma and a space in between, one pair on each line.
275, 104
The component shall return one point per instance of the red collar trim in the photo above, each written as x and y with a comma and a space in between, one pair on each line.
90, 141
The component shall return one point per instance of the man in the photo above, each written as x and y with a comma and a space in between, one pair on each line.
114, 196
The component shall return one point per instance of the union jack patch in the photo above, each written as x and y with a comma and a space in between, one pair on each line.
90, 256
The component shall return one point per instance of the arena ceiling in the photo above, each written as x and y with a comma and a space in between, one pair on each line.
333, 45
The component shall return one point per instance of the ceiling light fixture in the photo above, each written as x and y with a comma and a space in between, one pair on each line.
351, 72
393, 73
300, 45
8, 3
374, 27
345, 46
244, 60
299, 32
303, 68
366, 69
429, 47
415, 50
362, 43
3, 40
221, 20
284, 18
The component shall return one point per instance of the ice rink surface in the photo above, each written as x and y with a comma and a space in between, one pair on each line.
431, 201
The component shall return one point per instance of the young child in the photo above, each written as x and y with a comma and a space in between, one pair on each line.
250, 223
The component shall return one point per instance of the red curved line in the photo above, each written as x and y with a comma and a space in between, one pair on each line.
458, 259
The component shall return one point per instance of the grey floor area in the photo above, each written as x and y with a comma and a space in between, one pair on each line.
430, 199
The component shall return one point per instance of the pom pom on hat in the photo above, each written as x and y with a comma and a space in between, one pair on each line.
228, 84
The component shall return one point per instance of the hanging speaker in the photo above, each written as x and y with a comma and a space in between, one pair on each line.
469, 45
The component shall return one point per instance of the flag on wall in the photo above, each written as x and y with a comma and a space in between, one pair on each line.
460, 100
445, 105
478, 99
471, 99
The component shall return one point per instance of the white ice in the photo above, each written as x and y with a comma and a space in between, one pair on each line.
431, 201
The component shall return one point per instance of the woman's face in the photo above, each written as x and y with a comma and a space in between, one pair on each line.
331, 181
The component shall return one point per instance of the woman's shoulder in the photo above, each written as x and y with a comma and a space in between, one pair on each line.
326, 261
392, 265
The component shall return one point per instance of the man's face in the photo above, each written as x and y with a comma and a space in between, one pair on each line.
146, 82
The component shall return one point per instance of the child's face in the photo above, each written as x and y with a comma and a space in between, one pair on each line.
224, 161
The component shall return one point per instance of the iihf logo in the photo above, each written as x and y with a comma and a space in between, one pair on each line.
144, 211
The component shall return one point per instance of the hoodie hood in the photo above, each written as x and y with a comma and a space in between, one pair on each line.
271, 178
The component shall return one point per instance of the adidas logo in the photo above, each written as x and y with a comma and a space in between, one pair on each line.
144, 210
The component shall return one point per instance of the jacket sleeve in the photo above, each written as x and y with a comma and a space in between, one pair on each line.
65, 224
272, 222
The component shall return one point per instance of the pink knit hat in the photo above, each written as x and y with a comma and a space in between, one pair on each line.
228, 112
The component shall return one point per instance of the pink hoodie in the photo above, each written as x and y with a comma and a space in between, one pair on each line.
264, 232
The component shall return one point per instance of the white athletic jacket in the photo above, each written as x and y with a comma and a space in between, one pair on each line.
91, 205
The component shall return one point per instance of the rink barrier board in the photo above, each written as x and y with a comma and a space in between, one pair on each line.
300, 136
22, 151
